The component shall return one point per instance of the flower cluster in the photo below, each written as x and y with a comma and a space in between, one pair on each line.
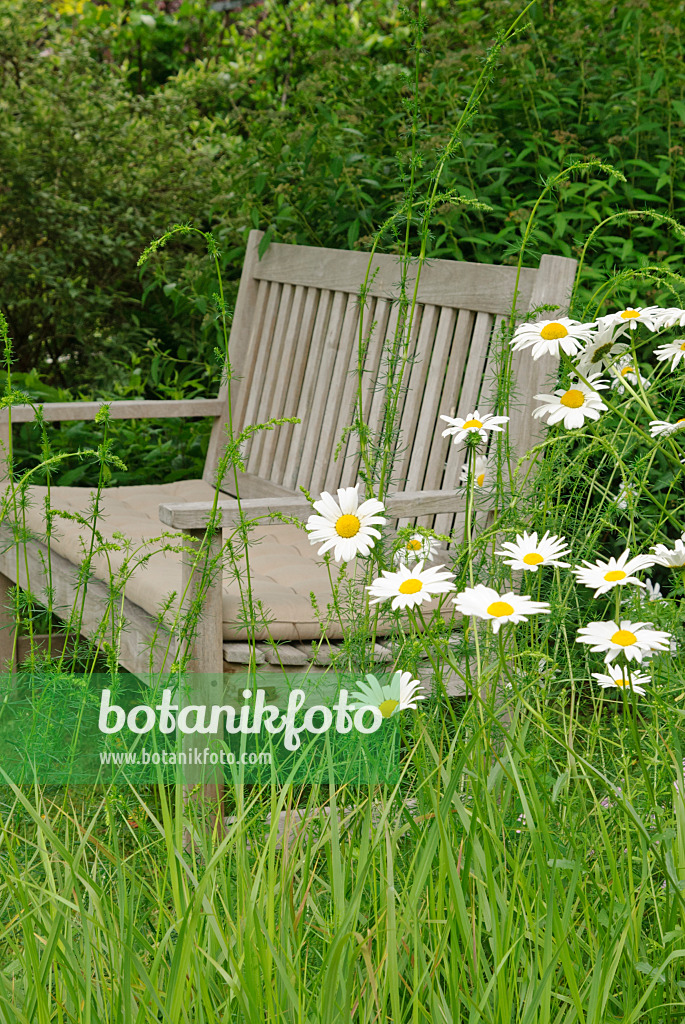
596, 348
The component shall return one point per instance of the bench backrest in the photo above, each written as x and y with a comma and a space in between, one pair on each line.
294, 348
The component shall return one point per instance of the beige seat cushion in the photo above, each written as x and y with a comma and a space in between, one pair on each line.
283, 563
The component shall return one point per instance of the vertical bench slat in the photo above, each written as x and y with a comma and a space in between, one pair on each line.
291, 476
294, 375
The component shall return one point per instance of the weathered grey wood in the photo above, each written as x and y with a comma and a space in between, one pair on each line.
338, 472
322, 395
246, 311
194, 515
427, 455
4, 443
243, 654
275, 397
62, 412
272, 376
553, 284
294, 378
205, 670
260, 374
252, 486
139, 626
203, 560
376, 334
301, 434
283, 654
476, 286
7, 626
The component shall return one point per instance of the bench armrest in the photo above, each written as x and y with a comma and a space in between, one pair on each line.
137, 409
404, 505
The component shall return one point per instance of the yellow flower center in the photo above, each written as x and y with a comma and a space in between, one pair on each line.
615, 574
623, 637
622, 681
413, 545
533, 558
499, 609
472, 423
682, 347
681, 420
410, 586
572, 399
387, 707
550, 332
626, 370
630, 314
480, 479
347, 526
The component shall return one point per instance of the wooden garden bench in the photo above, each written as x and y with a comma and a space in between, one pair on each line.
293, 346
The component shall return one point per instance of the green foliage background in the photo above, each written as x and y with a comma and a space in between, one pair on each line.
119, 118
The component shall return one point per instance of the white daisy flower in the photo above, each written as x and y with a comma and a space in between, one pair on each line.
345, 525
548, 337
625, 496
473, 423
397, 695
614, 573
633, 639
482, 472
618, 675
409, 587
599, 352
416, 548
572, 405
674, 351
528, 553
670, 317
625, 369
673, 557
658, 427
486, 603
628, 319
654, 589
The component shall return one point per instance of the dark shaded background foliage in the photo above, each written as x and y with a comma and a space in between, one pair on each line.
292, 117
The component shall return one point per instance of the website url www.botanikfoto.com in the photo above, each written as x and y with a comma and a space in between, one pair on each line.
194, 756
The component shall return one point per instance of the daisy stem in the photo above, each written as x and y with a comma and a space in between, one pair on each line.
468, 538
422, 634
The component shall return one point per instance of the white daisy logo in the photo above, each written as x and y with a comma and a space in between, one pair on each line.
486, 603
481, 472
473, 423
573, 405
409, 587
345, 525
632, 639
673, 557
673, 352
618, 675
416, 548
628, 319
549, 337
528, 553
659, 427
614, 573
400, 694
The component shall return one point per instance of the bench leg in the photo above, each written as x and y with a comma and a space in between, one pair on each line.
205, 670
7, 627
